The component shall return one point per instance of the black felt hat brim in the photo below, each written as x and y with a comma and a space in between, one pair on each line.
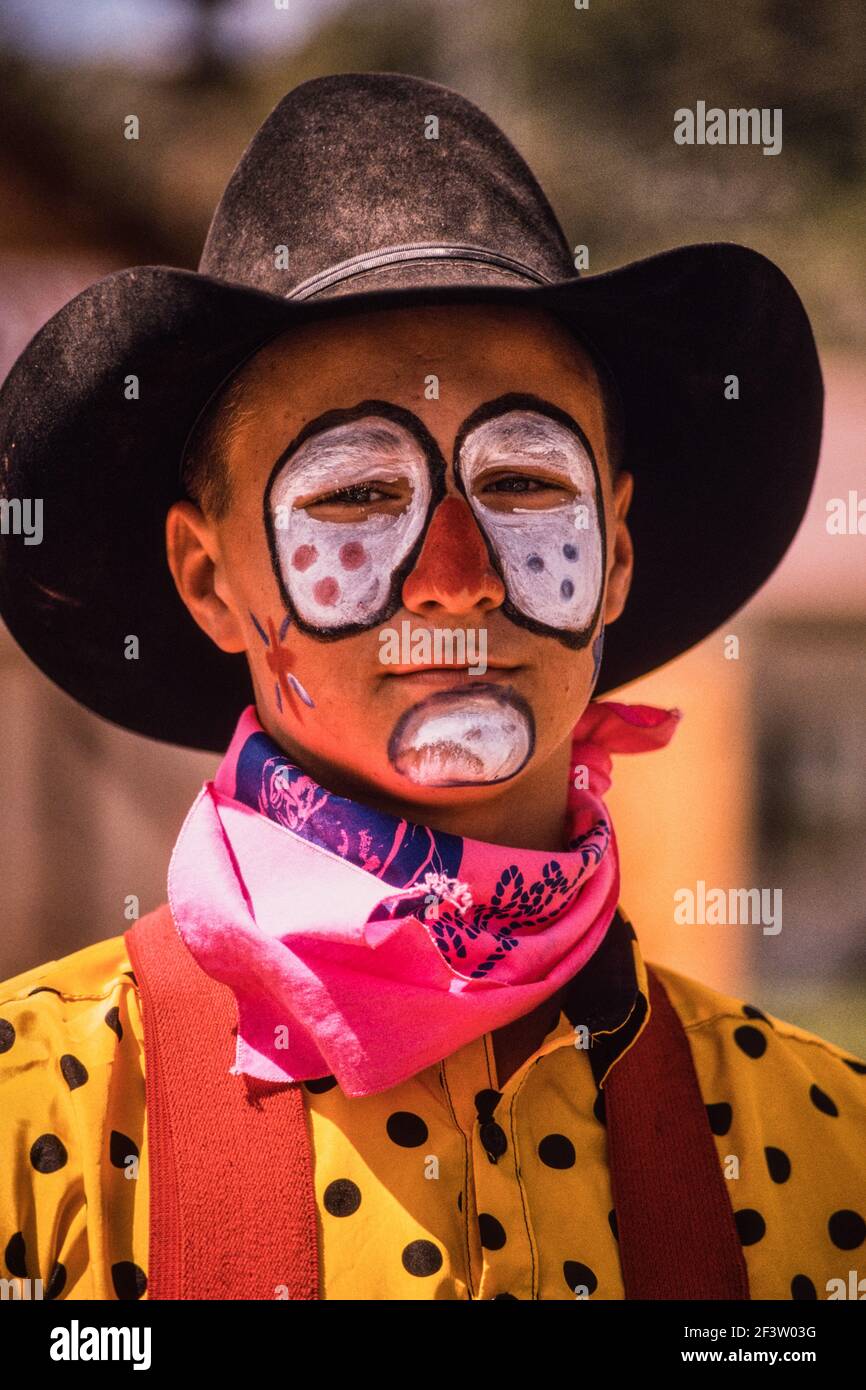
720, 485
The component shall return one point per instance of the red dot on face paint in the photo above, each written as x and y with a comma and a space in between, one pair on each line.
352, 555
326, 592
304, 556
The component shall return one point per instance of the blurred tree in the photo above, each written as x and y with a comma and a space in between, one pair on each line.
587, 95
208, 63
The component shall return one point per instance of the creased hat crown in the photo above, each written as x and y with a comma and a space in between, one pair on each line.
350, 185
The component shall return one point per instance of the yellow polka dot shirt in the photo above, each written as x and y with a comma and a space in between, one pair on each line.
449, 1185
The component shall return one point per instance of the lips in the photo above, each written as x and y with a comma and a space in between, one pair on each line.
451, 675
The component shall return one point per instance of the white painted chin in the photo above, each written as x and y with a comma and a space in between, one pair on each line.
463, 737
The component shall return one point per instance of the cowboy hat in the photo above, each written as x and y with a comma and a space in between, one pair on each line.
350, 198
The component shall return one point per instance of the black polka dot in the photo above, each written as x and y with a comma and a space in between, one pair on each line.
320, 1085
822, 1101
492, 1231
112, 1018
535, 563
751, 1012
16, 1263
406, 1129
494, 1139
570, 551
751, 1226
74, 1072
778, 1164
422, 1257
342, 1197
129, 1280
802, 1287
847, 1229
576, 1273
566, 588
750, 1040
121, 1148
859, 1067
556, 1151
486, 1102
611, 1221
7, 1035
598, 1108
16, 1255
720, 1116
47, 1154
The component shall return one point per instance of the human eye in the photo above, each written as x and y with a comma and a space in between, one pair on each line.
540, 491
362, 493
517, 482
357, 500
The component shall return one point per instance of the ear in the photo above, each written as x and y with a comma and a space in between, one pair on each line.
195, 560
621, 556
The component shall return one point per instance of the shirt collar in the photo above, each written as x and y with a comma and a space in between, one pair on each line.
610, 996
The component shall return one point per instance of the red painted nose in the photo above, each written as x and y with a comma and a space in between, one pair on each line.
454, 568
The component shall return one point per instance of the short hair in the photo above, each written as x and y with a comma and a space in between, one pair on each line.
205, 473
611, 397
614, 415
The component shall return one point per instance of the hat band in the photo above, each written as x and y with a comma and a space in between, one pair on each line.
412, 251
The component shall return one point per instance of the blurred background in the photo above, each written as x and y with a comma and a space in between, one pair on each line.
765, 782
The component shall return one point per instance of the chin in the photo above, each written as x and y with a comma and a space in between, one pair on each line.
476, 734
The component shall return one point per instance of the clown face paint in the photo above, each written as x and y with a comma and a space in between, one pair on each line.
597, 653
459, 738
551, 557
339, 576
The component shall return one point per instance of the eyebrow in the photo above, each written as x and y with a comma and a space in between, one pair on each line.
524, 402
539, 438
355, 440
379, 428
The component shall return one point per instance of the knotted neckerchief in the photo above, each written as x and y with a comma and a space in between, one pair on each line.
367, 947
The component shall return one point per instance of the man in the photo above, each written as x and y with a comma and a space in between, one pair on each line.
393, 1037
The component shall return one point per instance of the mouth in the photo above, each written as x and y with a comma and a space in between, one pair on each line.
458, 673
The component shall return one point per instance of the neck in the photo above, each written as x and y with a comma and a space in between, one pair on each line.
528, 813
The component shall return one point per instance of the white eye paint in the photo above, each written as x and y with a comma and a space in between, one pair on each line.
552, 558
341, 573
461, 737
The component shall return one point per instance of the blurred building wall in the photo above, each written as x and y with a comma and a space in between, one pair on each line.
90, 813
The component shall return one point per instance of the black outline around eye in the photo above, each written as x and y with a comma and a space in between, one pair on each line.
503, 405
436, 467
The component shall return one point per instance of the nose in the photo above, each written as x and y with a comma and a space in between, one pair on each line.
453, 570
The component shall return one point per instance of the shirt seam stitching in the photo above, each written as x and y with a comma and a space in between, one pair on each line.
517, 1173
465, 1212
66, 997
779, 1028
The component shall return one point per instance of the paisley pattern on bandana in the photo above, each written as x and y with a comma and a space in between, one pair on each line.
514, 904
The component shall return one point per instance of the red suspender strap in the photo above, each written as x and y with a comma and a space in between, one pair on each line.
232, 1204
675, 1223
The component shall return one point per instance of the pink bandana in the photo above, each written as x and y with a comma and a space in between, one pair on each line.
367, 947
